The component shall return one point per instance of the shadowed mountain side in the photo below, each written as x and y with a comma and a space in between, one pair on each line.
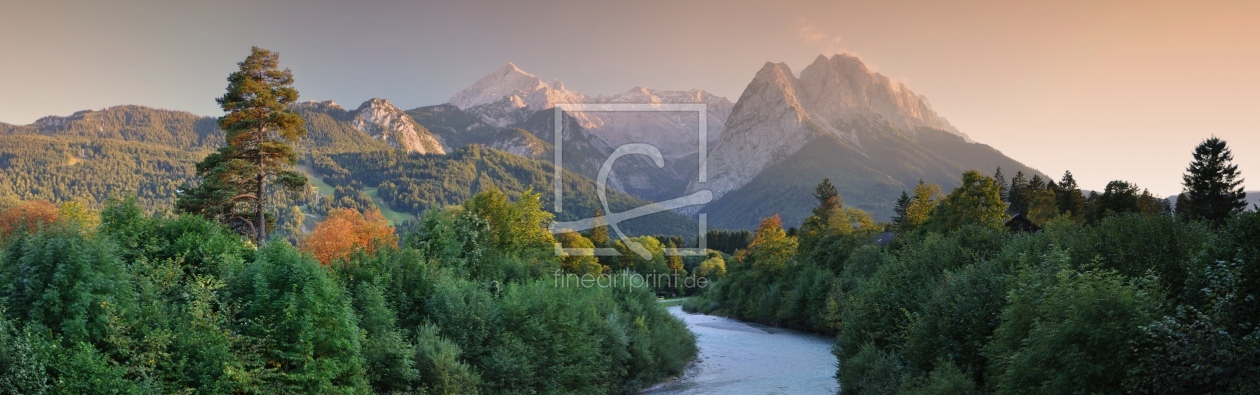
869, 179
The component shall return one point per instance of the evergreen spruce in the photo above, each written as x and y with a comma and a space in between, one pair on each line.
1212, 186
903, 203
1071, 201
1018, 195
1003, 188
827, 195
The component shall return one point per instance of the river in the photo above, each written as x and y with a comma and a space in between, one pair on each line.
738, 358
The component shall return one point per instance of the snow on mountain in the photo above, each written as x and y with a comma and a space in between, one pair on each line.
508, 96
381, 120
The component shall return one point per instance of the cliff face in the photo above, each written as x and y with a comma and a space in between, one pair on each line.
779, 113
381, 120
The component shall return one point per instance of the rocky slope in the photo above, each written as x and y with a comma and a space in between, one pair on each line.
509, 96
838, 120
381, 120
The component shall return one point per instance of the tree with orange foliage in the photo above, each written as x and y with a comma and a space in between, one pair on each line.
771, 247
345, 231
26, 216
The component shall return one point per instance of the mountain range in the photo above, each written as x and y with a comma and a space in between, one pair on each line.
872, 136
837, 119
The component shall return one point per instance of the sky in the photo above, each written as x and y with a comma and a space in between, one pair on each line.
1107, 89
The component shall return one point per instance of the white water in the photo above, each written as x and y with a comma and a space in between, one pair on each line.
738, 358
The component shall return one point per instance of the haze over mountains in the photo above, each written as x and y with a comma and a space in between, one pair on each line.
509, 95
872, 136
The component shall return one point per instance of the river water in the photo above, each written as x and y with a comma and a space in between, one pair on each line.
738, 358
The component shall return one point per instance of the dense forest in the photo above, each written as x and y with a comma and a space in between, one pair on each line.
1106, 293
212, 296
124, 302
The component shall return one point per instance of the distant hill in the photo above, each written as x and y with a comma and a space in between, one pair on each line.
149, 153
1253, 199
414, 183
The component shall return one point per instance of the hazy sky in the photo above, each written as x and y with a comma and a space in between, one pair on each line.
1106, 89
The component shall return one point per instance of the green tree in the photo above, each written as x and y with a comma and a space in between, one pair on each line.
261, 128
1036, 184
1018, 194
899, 210
713, 267
977, 201
827, 195
301, 320
1071, 201
925, 198
578, 263
599, 231
1004, 189
1055, 317
1117, 198
1043, 206
1212, 186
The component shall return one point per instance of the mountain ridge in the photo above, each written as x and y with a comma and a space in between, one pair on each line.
509, 95
872, 136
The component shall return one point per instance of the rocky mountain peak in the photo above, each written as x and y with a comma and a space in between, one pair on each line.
382, 120
319, 105
842, 88
509, 95
779, 113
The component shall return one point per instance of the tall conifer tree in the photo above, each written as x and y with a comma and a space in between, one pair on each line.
260, 128
1212, 186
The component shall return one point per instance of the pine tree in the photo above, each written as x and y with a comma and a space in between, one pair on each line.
1018, 195
1212, 186
827, 195
899, 211
1071, 201
1036, 184
260, 129
1003, 188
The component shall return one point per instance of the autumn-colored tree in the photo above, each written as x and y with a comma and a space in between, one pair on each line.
26, 217
771, 247
345, 231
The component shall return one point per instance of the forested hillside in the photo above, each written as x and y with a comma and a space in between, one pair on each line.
870, 175
414, 183
74, 168
132, 151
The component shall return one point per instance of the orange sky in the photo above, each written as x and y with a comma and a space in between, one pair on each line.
1109, 90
